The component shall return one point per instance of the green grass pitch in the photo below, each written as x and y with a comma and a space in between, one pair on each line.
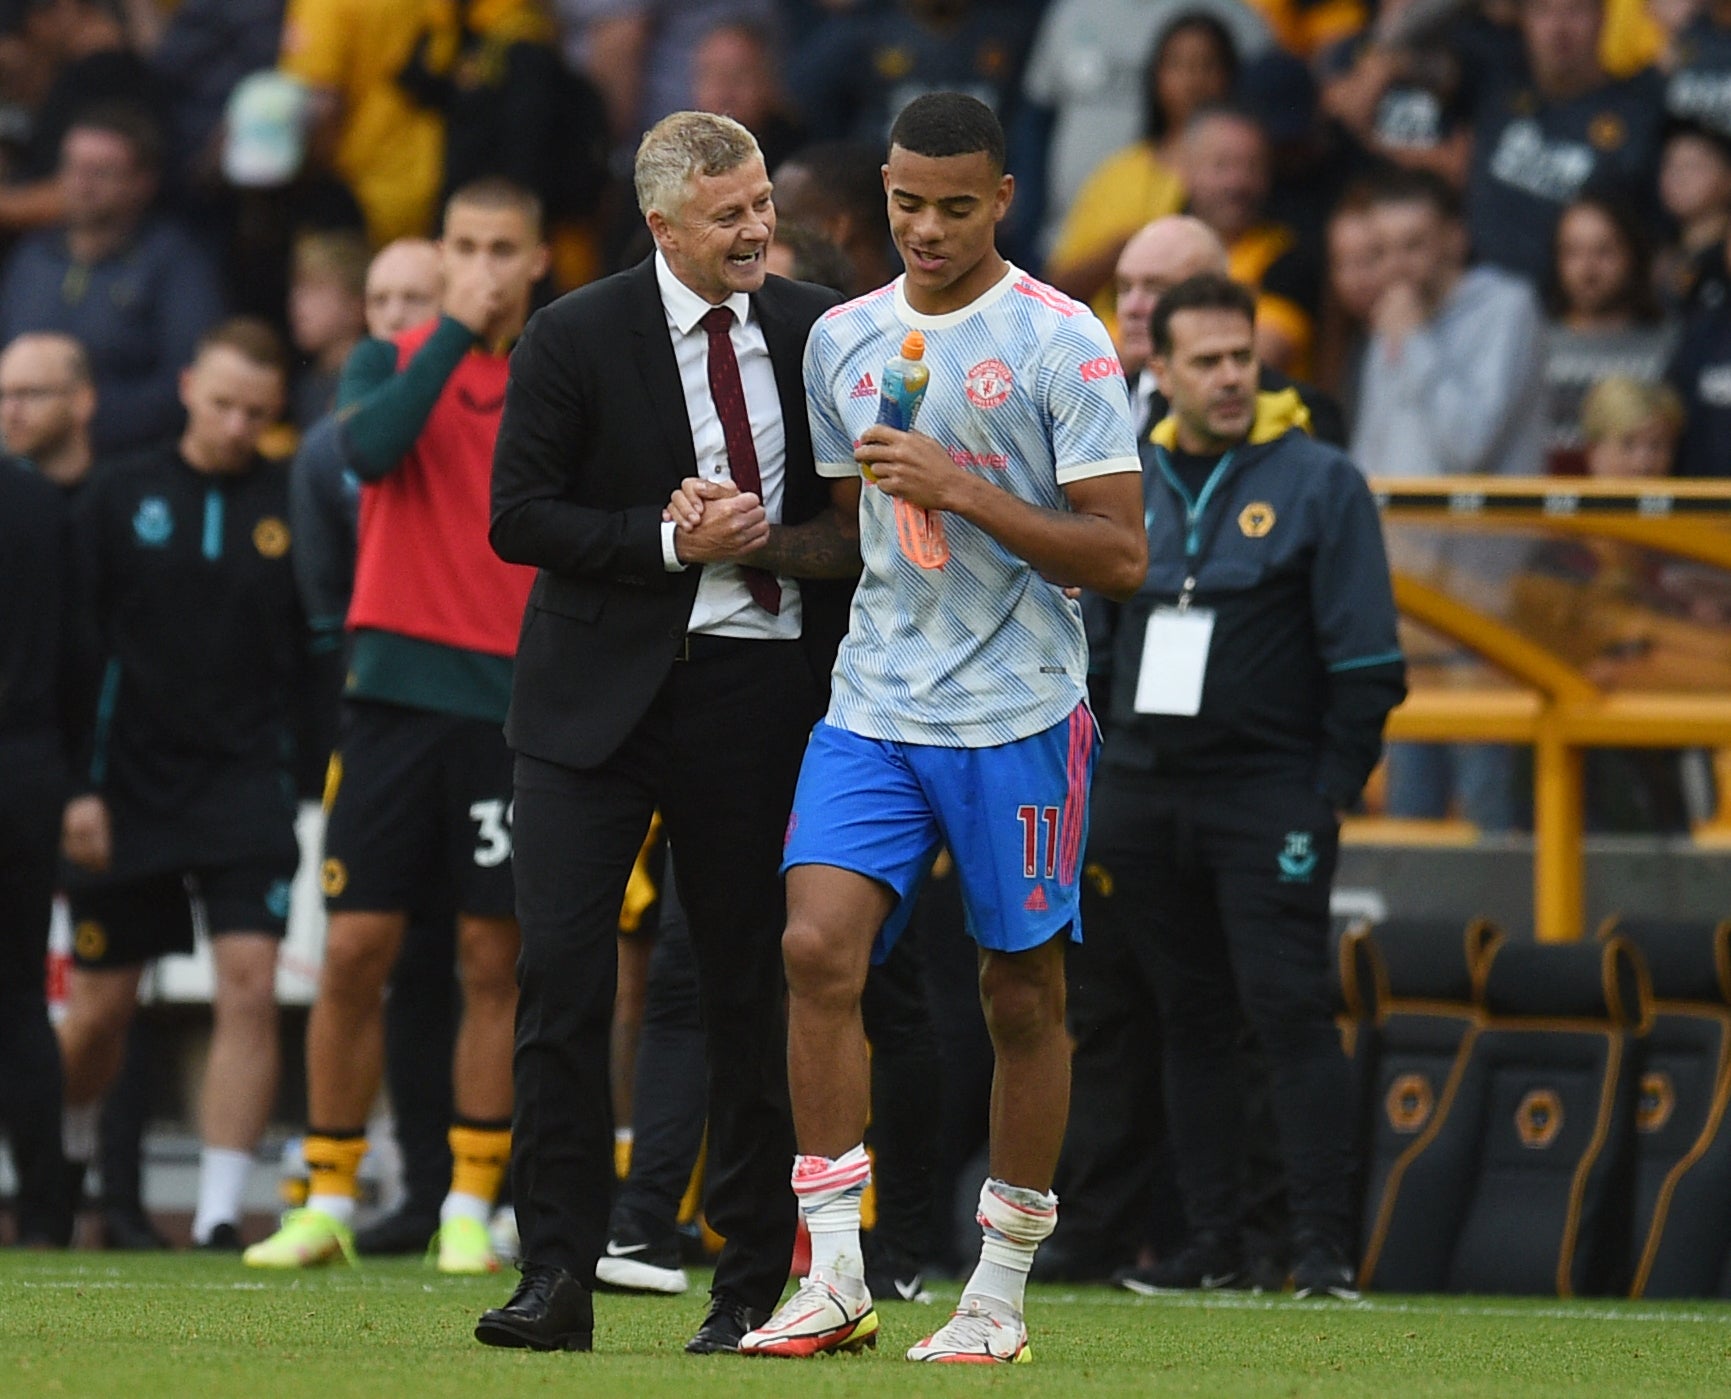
195, 1327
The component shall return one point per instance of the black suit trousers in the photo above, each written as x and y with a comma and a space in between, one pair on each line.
718, 751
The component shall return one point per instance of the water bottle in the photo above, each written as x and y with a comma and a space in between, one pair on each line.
920, 532
904, 384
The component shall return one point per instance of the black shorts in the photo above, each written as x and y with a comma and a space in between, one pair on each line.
124, 923
417, 800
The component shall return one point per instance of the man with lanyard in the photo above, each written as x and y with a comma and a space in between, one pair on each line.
1252, 674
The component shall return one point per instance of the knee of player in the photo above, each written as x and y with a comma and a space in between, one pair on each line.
92, 1022
102, 1002
355, 969
487, 953
493, 979
1023, 997
250, 992
819, 965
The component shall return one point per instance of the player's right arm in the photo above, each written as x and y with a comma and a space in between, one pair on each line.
383, 410
1099, 542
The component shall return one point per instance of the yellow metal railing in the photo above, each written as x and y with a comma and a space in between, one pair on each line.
1559, 710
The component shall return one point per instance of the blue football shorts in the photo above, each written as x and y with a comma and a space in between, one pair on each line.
1014, 819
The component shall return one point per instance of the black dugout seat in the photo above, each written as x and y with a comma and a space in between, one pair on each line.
1519, 1182
1425, 998
1681, 1208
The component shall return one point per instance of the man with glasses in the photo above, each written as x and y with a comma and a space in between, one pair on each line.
47, 402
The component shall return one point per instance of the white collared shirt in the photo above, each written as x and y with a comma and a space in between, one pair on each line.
724, 606
1141, 399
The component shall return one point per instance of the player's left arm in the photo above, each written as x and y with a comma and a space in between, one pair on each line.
1098, 543
825, 546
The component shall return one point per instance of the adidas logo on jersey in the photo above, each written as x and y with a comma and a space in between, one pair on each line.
1037, 900
865, 388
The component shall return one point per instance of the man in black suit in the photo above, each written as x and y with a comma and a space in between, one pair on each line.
670, 668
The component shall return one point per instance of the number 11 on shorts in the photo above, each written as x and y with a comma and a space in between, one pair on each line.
1032, 818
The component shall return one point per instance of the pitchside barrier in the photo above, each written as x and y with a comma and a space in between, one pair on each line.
1563, 615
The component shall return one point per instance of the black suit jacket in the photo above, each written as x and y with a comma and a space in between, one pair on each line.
595, 439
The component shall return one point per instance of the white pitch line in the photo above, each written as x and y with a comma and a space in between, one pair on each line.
1373, 1306
111, 1285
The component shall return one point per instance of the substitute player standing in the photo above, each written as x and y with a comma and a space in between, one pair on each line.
959, 715
185, 790
423, 777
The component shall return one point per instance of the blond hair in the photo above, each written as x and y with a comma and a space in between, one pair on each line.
1620, 404
681, 147
334, 255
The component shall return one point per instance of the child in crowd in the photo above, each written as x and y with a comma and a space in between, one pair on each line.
327, 315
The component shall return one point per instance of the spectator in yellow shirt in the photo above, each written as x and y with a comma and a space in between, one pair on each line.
387, 149
1193, 63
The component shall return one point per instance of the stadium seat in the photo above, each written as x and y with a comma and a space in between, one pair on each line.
1520, 1181
1681, 1211
1427, 978
1356, 975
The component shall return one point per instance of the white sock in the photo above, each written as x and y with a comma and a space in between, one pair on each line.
829, 1193
1013, 1221
459, 1205
222, 1173
78, 1131
339, 1207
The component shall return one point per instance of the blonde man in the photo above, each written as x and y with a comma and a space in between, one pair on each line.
669, 668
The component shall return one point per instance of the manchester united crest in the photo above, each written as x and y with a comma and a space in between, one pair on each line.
989, 383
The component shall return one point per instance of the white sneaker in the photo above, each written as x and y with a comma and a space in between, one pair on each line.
819, 1317
635, 1266
502, 1230
976, 1335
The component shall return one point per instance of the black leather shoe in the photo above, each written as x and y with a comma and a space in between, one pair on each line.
727, 1321
550, 1310
402, 1231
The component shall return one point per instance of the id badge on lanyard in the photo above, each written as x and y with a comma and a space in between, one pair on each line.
1175, 645
1175, 658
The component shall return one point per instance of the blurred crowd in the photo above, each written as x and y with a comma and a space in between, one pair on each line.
1496, 235
167, 164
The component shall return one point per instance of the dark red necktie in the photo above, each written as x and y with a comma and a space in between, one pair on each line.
729, 395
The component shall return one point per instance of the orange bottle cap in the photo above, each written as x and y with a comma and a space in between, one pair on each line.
913, 345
